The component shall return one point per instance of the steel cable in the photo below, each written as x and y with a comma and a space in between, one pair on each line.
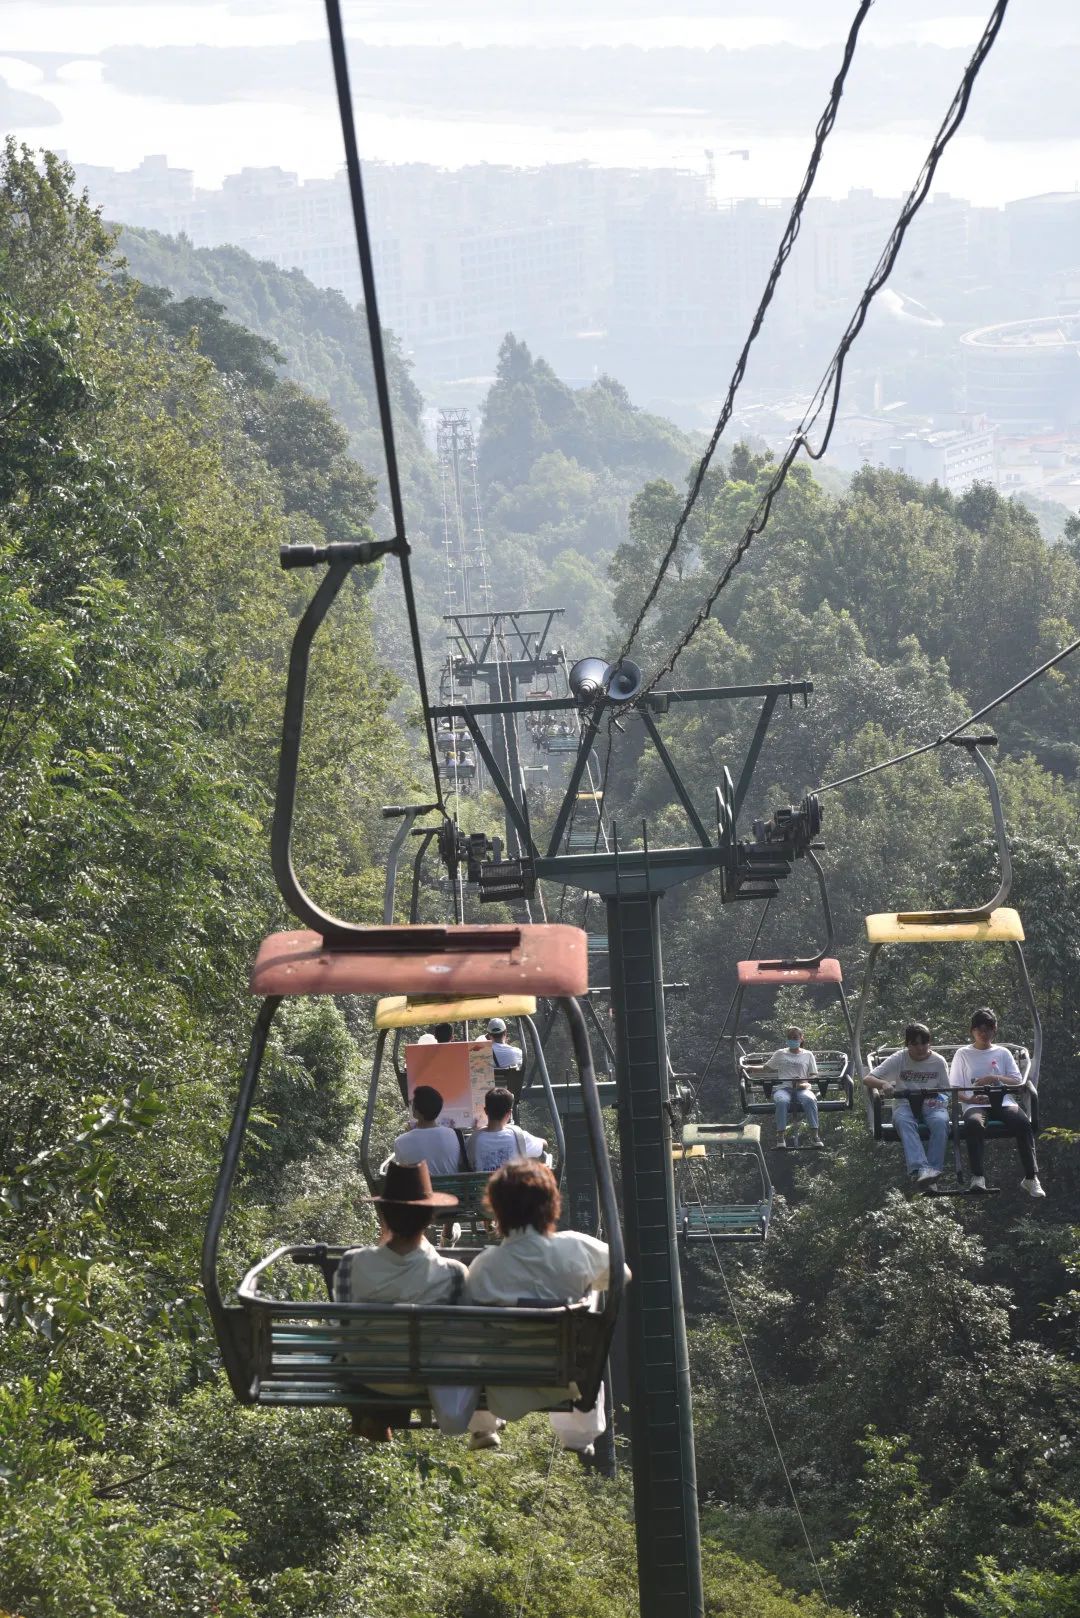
783, 253
826, 397
947, 736
340, 60
760, 1391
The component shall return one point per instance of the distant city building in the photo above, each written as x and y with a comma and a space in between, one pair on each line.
954, 457
1041, 239
1025, 374
646, 274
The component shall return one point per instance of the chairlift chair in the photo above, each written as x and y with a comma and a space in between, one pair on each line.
707, 1217
993, 923
834, 1087
279, 1350
394, 1014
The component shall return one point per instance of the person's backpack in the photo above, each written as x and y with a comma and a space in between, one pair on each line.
464, 1165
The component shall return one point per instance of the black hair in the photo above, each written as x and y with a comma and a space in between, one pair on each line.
427, 1102
499, 1103
983, 1017
916, 1030
444, 1032
404, 1218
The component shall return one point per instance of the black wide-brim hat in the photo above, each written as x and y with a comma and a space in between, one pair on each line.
408, 1185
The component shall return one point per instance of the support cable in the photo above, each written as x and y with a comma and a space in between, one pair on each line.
540, 1518
760, 1393
783, 253
947, 736
731, 1006
340, 60
826, 398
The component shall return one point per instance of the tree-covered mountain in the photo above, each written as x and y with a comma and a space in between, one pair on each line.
320, 337
159, 438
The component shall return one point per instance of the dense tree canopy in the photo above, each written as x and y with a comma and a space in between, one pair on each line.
160, 437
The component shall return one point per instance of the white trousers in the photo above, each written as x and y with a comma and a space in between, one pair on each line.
575, 1429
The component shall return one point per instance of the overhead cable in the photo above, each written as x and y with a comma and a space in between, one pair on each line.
378, 362
947, 736
826, 398
760, 1392
783, 253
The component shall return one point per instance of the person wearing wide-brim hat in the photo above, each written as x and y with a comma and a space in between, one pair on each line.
403, 1268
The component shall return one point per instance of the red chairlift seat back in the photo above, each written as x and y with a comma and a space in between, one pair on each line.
444, 961
781, 972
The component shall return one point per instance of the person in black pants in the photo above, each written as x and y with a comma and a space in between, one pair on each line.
984, 1072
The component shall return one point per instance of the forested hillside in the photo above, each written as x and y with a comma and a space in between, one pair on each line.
159, 438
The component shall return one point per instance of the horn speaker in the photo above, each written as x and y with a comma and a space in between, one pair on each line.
591, 678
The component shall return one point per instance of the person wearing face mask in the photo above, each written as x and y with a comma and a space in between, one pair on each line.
795, 1069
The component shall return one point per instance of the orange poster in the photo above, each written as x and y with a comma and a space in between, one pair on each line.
462, 1074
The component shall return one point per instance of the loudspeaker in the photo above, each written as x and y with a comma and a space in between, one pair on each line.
591, 678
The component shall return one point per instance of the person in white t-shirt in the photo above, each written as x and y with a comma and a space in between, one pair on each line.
916, 1078
536, 1261
500, 1139
428, 1141
503, 1054
795, 1069
404, 1268
993, 1064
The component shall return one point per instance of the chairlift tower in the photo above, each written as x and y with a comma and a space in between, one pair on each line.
499, 651
631, 876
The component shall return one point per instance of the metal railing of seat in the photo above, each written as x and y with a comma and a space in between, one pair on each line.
1026, 1096
756, 1086
708, 1217
305, 1352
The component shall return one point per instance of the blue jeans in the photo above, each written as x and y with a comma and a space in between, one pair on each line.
935, 1115
806, 1099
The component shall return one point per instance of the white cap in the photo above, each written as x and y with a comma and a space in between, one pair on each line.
496, 1026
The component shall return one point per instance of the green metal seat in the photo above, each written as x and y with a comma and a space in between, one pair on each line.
702, 1216
732, 1222
475, 1221
328, 1353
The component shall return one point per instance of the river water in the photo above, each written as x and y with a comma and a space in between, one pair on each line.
98, 123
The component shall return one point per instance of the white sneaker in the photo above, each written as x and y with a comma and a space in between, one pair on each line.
927, 1175
1032, 1187
485, 1441
977, 1182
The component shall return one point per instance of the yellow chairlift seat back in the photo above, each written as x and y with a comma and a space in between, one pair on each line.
1003, 927
681, 1153
420, 1011
702, 1135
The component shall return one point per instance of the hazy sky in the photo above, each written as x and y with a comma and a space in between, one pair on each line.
98, 109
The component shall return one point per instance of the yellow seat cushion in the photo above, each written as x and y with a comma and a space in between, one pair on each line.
417, 1011
1003, 927
703, 1135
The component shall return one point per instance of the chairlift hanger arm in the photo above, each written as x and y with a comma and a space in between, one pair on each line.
971, 745
342, 559
812, 961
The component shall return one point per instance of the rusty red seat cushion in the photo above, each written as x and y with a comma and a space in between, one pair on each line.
547, 960
827, 971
